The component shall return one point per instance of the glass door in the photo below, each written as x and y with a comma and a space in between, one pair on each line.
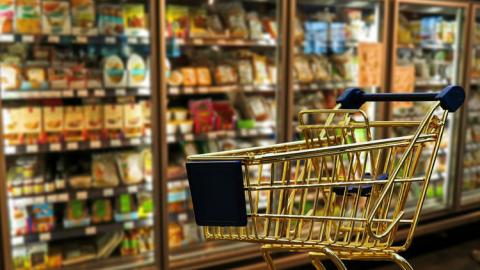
338, 44
427, 51
470, 188
222, 87
75, 94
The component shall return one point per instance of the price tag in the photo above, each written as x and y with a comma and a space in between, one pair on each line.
10, 149
314, 86
211, 135
82, 195
120, 92
253, 132
147, 139
188, 137
99, 93
135, 141
128, 225
44, 237
32, 148
54, 94
296, 87
54, 39
188, 90
145, 40
248, 88
62, 197
197, 41
174, 90
72, 146
67, 93
230, 133
202, 89
182, 217
132, 40
149, 222
108, 192
243, 132
171, 139
28, 38
110, 40
91, 230
52, 198
55, 147
95, 144
16, 241
39, 200
221, 41
115, 142
144, 91
7, 38
27, 201
82, 93
132, 189
239, 42
82, 39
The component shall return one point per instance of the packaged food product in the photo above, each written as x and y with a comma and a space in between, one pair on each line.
185, 127
12, 125
34, 78
114, 74
177, 21
58, 78
198, 23
56, 17
80, 181
104, 171
271, 26
257, 108
9, 77
110, 19
83, 17
272, 74
38, 255
43, 218
94, 78
20, 220
203, 76
245, 71
321, 68
175, 235
28, 17
202, 114
225, 74
55, 257
234, 15
7, 13
76, 214
254, 25
260, 69
146, 114
134, 19
21, 260
32, 124
74, 123
113, 120
179, 114
130, 165
93, 121
137, 71
53, 123
102, 211
189, 76
147, 164
145, 204
226, 116
175, 78
215, 26
133, 120
125, 208
302, 69
78, 77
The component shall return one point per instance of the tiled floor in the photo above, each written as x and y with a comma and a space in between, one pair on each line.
449, 250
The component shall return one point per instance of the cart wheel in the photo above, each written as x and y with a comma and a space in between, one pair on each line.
400, 261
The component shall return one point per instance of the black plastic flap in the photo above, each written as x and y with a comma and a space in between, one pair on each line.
217, 192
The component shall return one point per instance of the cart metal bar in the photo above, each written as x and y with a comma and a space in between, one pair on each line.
326, 218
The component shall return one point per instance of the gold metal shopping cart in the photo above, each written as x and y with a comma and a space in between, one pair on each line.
339, 194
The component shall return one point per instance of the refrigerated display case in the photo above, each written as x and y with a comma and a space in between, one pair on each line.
428, 54
77, 162
338, 44
222, 59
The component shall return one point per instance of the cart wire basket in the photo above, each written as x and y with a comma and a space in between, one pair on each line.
339, 194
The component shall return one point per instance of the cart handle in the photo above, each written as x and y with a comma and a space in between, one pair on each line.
451, 97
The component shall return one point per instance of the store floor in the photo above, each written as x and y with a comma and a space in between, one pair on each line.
449, 250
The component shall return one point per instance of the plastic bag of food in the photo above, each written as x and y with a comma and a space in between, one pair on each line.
131, 166
104, 171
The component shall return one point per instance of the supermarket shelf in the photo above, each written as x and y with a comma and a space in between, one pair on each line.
59, 234
475, 81
196, 90
74, 93
471, 170
74, 39
472, 146
426, 45
224, 42
322, 86
85, 194
117, 263
75, 146
240, 133
430, 82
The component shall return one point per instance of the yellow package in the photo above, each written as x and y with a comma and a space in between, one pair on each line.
28, 18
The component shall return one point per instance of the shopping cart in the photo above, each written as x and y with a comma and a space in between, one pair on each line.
338, 194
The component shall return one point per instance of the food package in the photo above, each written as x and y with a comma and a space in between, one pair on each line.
202, 114
257, 108
114, 73
9, 77
74, 123
177, 21
38, 256
43, 218
20, 258
134, 19
255, 26
130, 165
234, 15
34, 78
110, 19
198, 23
138, 74
147, 164
302, 69
225, 115
203, 76
56, 17
175, 78
102, 211
225, 74
145, 204
78, 77
272, 74
133, 120
80, 181
76, 214
260, 70
104, 171
53, 123
32, 124
28, 17
189, 76
58, 77
113, 120
7, 13
321, 68
93, 121
146, 114
245, 71
125, 208
12, 125
215, 26
271, 26
94, 78
83, 17
20, 220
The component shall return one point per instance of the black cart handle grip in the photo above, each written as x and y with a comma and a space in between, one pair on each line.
451, 97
